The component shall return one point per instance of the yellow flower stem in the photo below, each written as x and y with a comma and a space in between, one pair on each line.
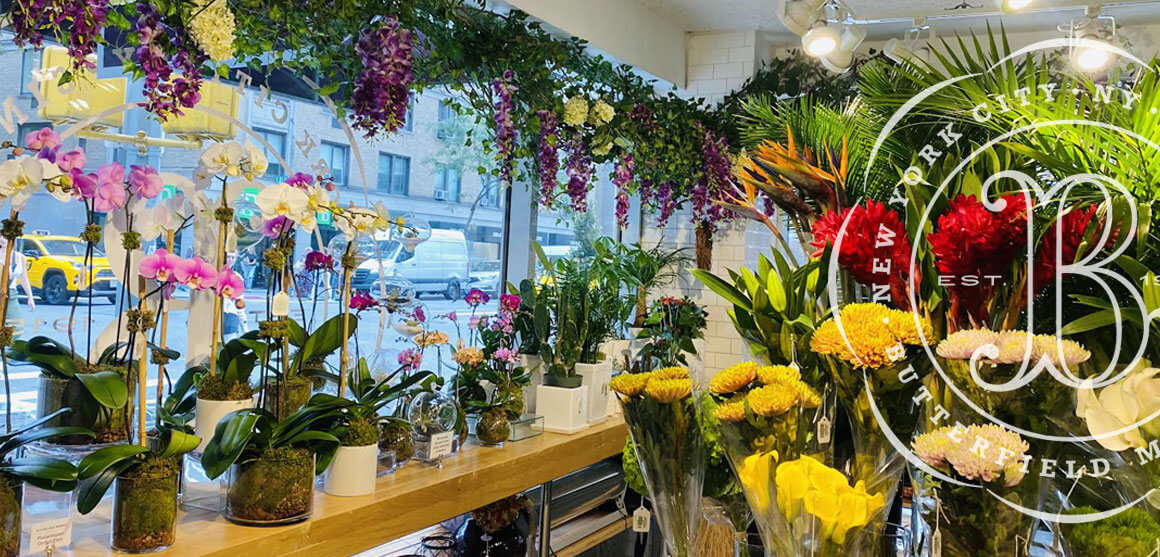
217, 300
345, 322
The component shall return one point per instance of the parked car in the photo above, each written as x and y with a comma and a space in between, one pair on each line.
55, 265
437, 265
485, 276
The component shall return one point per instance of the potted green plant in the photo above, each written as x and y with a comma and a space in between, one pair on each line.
293, 385
669, 334
271, 462
532, 301
145, 496
98, 392
45, 473
357, 425
562, 401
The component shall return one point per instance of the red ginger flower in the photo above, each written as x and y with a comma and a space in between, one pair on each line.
973, 242
874, 249
1075, 223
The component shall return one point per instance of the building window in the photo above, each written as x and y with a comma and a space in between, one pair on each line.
275, 172
29, 60
336, 156
489, 191
447, 184
446, 115
394, 173
409, 119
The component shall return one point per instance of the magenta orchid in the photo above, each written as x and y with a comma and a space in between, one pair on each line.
510, 302
145, 182
476, 297
360, 301
300, 180
410, 359
272, 228
44, 138
84, 185
504, 356
196, 273
110, 192
160, 265
229, 284
319, 261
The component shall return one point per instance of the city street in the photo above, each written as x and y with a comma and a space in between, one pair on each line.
52, 321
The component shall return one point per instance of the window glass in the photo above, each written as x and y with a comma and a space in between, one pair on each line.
336, 157
277, 140
447, 183
394, 174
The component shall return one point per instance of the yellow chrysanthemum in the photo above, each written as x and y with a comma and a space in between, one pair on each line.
576, 111
732, 411
771, 401
778, 375
630, 384
733, 378
806, 395
669, 390
870, 333
671, 373
213, 28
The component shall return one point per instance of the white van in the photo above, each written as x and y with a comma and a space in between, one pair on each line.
439, 264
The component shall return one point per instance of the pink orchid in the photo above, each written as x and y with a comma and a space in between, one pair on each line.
195, 273
144, 181
110, 192
71, 160
84, 185
229, 284
159, 265
42, 138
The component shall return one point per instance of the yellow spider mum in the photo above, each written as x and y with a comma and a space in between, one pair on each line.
872, 331
630, 384
671, 373
771, 401
732, 411
669, 390
733, 378
778, 375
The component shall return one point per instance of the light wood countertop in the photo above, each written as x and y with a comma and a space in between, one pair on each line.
408, 500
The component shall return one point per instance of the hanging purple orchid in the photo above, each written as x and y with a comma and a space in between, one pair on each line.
505, 130
579, 170
382, 91
84, 20
166, 95
667, 202
718, 177
548, 156
623, 177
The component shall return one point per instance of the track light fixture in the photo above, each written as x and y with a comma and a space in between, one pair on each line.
821, 39
1014, 6
799, 15
1090, 49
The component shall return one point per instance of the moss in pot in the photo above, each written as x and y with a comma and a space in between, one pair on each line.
145, 496
396, 435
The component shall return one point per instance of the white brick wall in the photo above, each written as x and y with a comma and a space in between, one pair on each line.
719, 62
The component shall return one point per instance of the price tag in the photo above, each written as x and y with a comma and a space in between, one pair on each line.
824, 430
441, 444
280, 307
936, 543
641, 520
50, 534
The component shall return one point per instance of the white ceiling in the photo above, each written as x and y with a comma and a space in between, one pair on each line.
892, 15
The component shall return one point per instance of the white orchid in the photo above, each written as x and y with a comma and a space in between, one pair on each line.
283, 200
223, 158
159, 219
319, 199
1118, 406
354, 223
21, 177
382, 216
256, 163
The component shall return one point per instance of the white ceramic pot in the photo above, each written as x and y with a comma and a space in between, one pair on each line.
634, 343
353, 471
596, 379
533, 364
210, 412
615, 350
564, 409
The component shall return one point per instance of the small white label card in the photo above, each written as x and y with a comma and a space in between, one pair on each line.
641, 520
441, 444
50, 533
825, 430
936, 543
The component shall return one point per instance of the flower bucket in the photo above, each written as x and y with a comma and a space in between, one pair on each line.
353, 471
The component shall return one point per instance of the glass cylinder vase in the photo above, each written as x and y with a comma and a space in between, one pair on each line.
109, 425
11, 501
145, 510
275, 489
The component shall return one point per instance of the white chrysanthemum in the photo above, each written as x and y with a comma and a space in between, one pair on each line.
576, 111
213, 28
962, 344
1052, 347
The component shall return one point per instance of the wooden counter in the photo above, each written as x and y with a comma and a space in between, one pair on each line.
408, 500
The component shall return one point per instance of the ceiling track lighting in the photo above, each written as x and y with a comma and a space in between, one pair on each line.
1014, 6
1090, 37
910, 47
799, 15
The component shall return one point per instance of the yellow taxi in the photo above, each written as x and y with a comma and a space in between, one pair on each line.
55, 268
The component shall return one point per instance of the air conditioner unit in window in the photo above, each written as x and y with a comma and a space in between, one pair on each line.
440, 195
485, 202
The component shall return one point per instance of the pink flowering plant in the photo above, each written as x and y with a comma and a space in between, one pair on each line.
490, 353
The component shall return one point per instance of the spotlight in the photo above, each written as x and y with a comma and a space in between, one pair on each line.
908, 48
797, 15
1014, 6
1092, 55
842, 57
820, 40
